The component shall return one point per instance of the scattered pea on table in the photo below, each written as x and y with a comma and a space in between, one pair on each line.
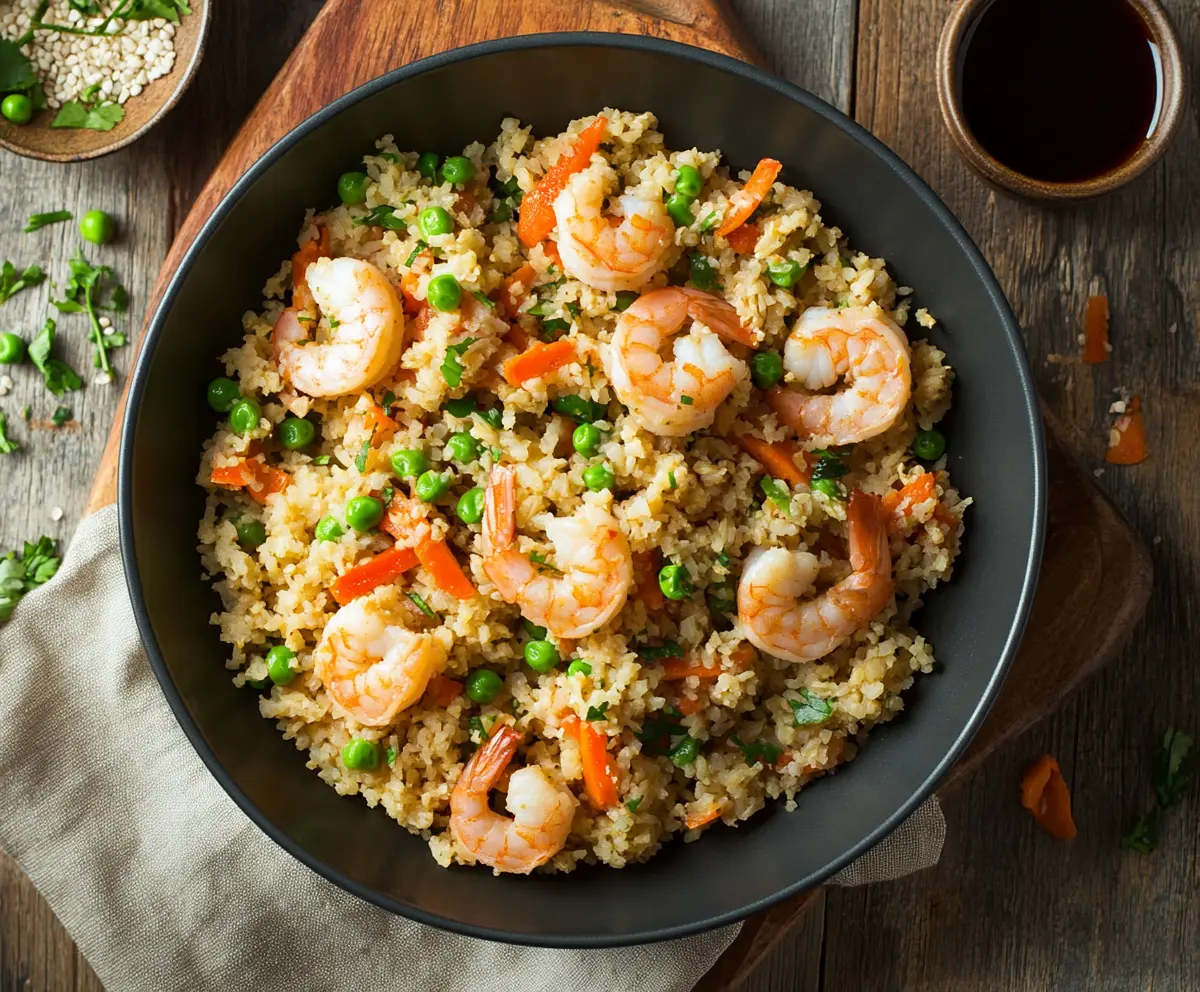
97, 227
12, 349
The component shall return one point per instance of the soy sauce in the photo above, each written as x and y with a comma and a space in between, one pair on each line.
1060, 90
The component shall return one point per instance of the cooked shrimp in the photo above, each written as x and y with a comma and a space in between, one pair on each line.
857, 344
372, 668
541, 809
680, 396
366, 330
592, 568
781, 623
610, 253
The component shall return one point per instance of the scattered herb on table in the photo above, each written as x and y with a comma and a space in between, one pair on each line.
1174, 765
18, 575
7, 444
61, 415
90, 290
12, 281
810, 709
38, 221
59, 376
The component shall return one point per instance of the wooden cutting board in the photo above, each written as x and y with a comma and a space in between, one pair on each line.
1096, 575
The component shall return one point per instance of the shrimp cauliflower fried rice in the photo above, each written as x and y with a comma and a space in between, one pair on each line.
674, 718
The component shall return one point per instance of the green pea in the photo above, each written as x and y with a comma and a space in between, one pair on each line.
829, 487
279, 664
541, 656
598, 477
296, 433
12, 349
245, 415
17, 107
785, 273
586, 439
428, 164
360, 753
462, 447
470, 506
929, 445
533, 630
251, 533
409, 463
703, 275
766, 369
675, 582
458, 169
222, 394
578, 667
432, 485
679, 207
435, 220
328, 529
461, 407
721, 596
625, 299
352, 187
443, 292
577, 408
97, 227
483, 684
363, 513
688, 181
685, 752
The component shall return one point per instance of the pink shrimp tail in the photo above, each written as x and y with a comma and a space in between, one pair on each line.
488, 763
500, 510
718, 315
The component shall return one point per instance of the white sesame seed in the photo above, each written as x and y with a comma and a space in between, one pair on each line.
105, 322
56, 514
6, 385
102, 379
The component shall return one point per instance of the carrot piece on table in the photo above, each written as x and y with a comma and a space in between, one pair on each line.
899, 503
539, 360
682, 668
1045, 794
1095, 330
371, 574
447, 574
537, 207
697, 818
1127, 441
645, 577
443, 691
743, 239
778, 458
599, 771
746, 200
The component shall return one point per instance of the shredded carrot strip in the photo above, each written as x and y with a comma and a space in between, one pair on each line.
1130, 443
515, 288
599, 771
539, 360
439, 561
746, 200
682, 668
743, 239
645, 576
1095, 330
1045, 794
371, 574
444, 691
537, 207
302, 298
695, 819
778, 458
899, 503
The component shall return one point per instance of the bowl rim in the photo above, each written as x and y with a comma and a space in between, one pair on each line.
140, 375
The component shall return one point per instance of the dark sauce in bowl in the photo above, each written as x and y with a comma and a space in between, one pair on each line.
1060, 90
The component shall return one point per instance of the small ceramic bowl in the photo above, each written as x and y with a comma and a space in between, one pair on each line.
1174, 91
38, 139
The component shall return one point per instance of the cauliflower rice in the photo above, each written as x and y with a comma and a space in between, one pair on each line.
763, 730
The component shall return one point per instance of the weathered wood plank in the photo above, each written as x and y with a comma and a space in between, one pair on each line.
1009, 908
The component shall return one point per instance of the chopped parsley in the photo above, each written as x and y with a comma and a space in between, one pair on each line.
386, 496
390, 756
7, 444
412, 257
543, 563
777, 493
423, 606
89, 114
757, 751
829, 465
633, 804
1174, 765
360, 460
321, 460
37, 221
710, 221
12, 281
60, 416
388, 399
385, 216
671, 478
482, 297
686, 400
58, 375
596, 712
452, 367
18, 575
723, 559
810, 709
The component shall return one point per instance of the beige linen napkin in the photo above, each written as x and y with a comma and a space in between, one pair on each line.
166, 885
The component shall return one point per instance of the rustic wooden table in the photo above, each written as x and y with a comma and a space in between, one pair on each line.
1007, 908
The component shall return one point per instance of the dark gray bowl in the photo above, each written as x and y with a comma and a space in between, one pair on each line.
701, 99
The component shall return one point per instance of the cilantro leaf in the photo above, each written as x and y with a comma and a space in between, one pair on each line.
543, 563
84, 292
809, 710
1173, 767
757, 751
7, 444
452, 367
390, 756
597, 712
412, 256
16, 71
360, 460
829, 465
12, 282
321, 460
59, 376
383, 216
777, 493
61, 415
423, 606
634, 803
37, 221
1142, 835
36, 565
98, 117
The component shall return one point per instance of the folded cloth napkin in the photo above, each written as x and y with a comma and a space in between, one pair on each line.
166, 885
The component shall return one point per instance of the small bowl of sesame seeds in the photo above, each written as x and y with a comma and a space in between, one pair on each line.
88, 77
